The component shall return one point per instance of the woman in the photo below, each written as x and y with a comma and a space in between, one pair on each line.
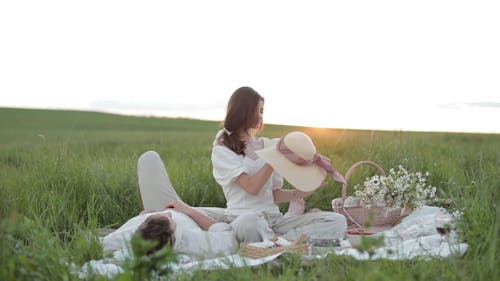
169, 221
251, 186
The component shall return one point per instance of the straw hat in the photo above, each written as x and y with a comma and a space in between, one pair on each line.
294, 157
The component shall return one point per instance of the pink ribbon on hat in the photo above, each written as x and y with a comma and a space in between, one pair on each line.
318, 159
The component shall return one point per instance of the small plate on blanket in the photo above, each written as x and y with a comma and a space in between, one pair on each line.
355, 238
324, 242
323, 246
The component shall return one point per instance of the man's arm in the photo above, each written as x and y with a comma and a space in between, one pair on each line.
205, 222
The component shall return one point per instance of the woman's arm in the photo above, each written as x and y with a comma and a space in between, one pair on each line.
205, 222
283, 195
254, 183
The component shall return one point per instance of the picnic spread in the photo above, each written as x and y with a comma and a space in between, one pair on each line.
388, 219
415, 237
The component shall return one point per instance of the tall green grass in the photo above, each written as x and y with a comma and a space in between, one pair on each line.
65, 174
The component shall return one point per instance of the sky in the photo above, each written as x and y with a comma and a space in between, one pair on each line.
387, 65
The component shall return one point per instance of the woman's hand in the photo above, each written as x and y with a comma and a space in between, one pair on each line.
282, 195
179, 206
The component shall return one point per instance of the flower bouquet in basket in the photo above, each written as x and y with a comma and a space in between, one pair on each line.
384, 199
400, 188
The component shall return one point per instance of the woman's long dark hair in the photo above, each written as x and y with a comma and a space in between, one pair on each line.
242, 115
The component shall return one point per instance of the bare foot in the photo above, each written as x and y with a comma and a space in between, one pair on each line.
296, 207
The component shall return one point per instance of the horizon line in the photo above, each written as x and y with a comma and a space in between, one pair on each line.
152, 115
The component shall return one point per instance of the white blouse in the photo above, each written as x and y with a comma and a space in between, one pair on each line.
227, 166
190, 239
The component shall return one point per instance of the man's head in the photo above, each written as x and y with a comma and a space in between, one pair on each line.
159, 228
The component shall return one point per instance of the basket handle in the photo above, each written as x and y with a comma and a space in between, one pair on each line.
351, 170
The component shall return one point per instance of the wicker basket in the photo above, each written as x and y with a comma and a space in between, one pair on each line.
362, 217
248, 250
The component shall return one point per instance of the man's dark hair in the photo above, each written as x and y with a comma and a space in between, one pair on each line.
157, 228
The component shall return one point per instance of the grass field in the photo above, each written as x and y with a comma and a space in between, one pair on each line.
65, 174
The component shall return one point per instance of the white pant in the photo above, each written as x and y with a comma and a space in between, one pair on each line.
156, 188
316, 225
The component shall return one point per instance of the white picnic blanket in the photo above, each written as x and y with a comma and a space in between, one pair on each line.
415, 237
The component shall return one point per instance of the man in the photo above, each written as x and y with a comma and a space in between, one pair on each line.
179, 226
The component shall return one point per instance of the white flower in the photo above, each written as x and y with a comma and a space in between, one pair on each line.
399, 188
